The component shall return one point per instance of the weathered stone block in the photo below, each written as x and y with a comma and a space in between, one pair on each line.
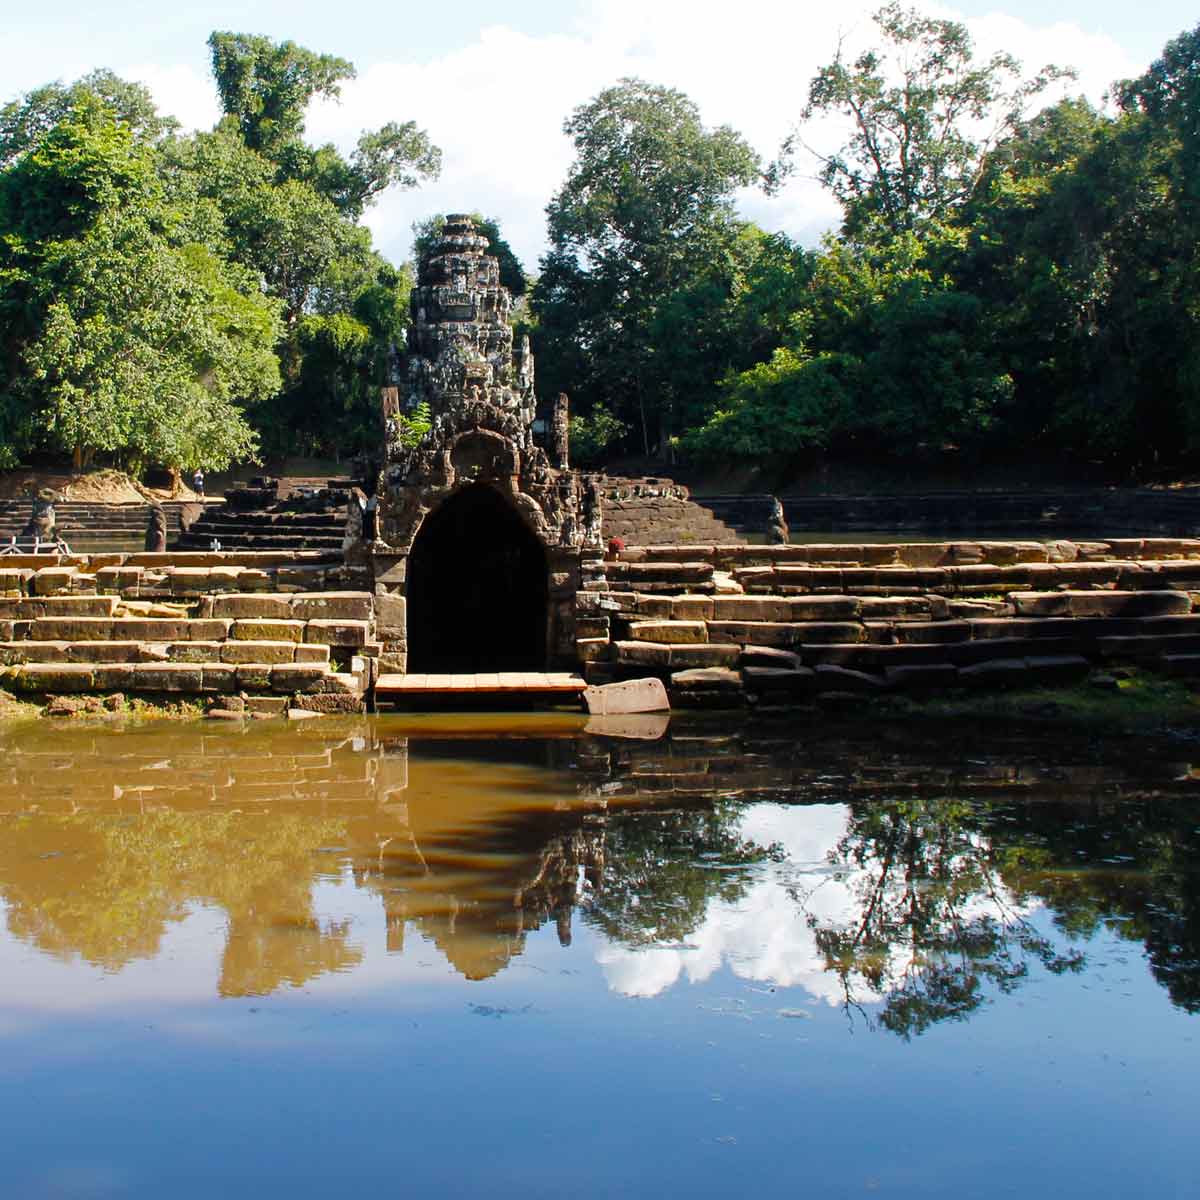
113, 677
70, 606
591, 649
709, 655
668, 631
332, 702
318, 652
253, 677
72, 629
255, 580
268, 631
337, 632
333, 606
649, 654
391, 616
14, 579
236, 652
189, 581
167, 677
298, 677
194, 652
707, 679
931, 632
825, 608
49, 581
51, 677
752, 608
346, 683
691, 608
592, 627
770, 656
100, 652
788, 680
1130, 604
1041, 604
242, 607
904, 608
219, 677
655, 607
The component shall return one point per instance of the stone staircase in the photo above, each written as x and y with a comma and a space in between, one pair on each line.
652, 511
244, 633
287, 514
724, 624
88, 526
750, 515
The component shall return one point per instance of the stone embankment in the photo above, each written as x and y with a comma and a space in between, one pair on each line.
287, 514
92, 525
253, 632
659, 511
1076, 512
730, 625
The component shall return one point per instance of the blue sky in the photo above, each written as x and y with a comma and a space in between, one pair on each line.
492, 83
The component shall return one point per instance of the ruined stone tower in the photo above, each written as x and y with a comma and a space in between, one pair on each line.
478, 538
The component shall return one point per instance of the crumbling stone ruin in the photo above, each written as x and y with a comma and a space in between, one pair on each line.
156, 530
479, 537
41, 525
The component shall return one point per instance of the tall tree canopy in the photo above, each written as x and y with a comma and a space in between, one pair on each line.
121, 334
644, 215
924, 115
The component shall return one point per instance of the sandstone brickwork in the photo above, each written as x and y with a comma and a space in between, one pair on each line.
728, 625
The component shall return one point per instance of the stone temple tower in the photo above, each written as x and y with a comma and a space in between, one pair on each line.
478, 538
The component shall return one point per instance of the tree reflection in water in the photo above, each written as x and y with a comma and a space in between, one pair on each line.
929, 900
935, 924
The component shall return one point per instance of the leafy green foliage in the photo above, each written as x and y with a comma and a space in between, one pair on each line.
591, 436
122, 336
925, 114
644, 216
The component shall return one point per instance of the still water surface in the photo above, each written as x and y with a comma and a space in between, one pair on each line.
514, 957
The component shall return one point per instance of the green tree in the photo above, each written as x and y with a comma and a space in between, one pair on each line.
27, 119
885, 357
265, 87
290, 212
644, 215
121, 335
924, 113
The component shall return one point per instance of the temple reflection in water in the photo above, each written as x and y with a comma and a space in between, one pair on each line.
894, 878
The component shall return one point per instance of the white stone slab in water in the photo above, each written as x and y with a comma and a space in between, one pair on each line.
629, 696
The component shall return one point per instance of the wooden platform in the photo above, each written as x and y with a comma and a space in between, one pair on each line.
562, 683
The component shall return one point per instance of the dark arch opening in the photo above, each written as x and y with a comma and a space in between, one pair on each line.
476, 589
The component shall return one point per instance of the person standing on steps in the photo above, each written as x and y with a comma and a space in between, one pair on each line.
198, 482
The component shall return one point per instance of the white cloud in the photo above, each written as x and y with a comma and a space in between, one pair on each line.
765, 937
496, 106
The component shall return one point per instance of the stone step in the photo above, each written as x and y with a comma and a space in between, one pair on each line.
185, 678
236, 652
128, 629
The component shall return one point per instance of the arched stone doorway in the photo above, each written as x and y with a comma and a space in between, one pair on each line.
476, 589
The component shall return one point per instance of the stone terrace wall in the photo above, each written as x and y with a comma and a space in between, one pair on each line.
251, 631
640, 511
728, 625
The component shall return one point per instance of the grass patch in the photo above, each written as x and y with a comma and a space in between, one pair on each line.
1125, 700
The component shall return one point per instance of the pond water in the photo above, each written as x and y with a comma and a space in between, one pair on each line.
521, 956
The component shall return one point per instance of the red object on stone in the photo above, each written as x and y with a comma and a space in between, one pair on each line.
615, 546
